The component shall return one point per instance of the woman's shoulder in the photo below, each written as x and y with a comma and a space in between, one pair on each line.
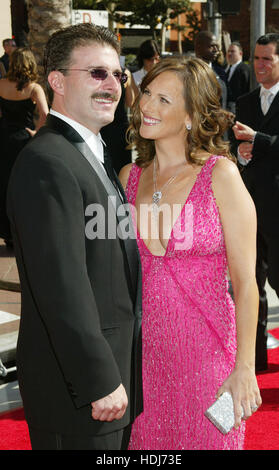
224, 168
226, 179
34, 88
124, 174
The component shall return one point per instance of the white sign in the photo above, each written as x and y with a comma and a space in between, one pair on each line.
99, 17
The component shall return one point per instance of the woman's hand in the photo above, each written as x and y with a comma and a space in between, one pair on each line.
243, 387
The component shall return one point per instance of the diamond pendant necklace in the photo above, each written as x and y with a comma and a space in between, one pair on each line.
158, 194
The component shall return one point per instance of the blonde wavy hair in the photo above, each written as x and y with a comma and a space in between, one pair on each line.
202, 94
22, 67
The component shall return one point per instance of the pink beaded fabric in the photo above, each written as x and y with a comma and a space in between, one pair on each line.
188, 328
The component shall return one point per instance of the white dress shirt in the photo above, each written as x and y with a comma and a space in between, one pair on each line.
272, 91
138, 76
94, 142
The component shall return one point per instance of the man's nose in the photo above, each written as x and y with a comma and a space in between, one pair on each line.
260, 64
112, 82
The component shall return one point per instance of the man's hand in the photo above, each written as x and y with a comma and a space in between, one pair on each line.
243, 132
111, 407
245, 150
30, 131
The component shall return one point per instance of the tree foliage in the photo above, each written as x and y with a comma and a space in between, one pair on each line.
96, 4
145, 12
152, 12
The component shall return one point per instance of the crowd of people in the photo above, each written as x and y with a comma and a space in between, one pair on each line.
128, 330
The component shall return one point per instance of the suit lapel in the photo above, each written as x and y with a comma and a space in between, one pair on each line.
235, 72
255, 110
77, 141
130, 245
260, 119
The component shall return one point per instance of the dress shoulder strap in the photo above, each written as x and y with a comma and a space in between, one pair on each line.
132, 184
209, 165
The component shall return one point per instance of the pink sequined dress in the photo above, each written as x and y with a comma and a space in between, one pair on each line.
188, 328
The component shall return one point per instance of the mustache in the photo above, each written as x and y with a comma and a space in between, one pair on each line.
106, 96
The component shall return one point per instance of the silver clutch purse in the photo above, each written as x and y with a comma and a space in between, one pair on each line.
221, 413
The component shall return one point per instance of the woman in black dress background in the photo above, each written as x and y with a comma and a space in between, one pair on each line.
20, 97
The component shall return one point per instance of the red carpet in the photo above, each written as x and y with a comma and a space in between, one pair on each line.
14, 431
262, 428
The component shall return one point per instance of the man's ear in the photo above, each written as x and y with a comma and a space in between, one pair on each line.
56, 81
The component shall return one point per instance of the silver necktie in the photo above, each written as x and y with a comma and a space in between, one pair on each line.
266, 101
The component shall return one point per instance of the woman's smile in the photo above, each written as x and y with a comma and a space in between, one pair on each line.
150, 121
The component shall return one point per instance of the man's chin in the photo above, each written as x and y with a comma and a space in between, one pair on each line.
108, 120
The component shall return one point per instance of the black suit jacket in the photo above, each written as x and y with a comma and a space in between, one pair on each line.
79, 334
261, 175
222, 82
239, 84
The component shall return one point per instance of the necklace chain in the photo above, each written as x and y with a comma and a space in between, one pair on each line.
158, 193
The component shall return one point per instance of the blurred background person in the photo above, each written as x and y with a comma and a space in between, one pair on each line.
20, 96
218, 65
257, 147
207, 49
9, 46
114, 134
238, 75
147, 56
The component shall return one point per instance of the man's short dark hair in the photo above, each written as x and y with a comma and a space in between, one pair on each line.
203, 37
7, 41
59, 48
237, 43
268, 39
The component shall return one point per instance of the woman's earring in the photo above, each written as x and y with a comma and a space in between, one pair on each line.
188, 126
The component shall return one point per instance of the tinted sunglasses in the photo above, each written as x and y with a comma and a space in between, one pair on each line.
102, 74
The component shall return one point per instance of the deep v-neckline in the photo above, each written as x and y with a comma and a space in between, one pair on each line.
140, 239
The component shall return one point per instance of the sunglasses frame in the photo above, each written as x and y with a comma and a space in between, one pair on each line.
122, 77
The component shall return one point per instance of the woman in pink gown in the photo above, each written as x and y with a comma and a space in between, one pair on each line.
194, 219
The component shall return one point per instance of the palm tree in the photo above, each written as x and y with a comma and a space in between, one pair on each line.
45, 17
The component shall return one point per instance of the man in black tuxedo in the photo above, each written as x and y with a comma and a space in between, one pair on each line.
257, 127
238, 75
78, 353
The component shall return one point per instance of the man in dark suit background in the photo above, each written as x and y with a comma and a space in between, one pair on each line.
257, 130
207, 49
238, 75
78, 353
9, 46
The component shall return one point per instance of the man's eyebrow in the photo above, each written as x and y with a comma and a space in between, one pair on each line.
93, 67
264, 57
